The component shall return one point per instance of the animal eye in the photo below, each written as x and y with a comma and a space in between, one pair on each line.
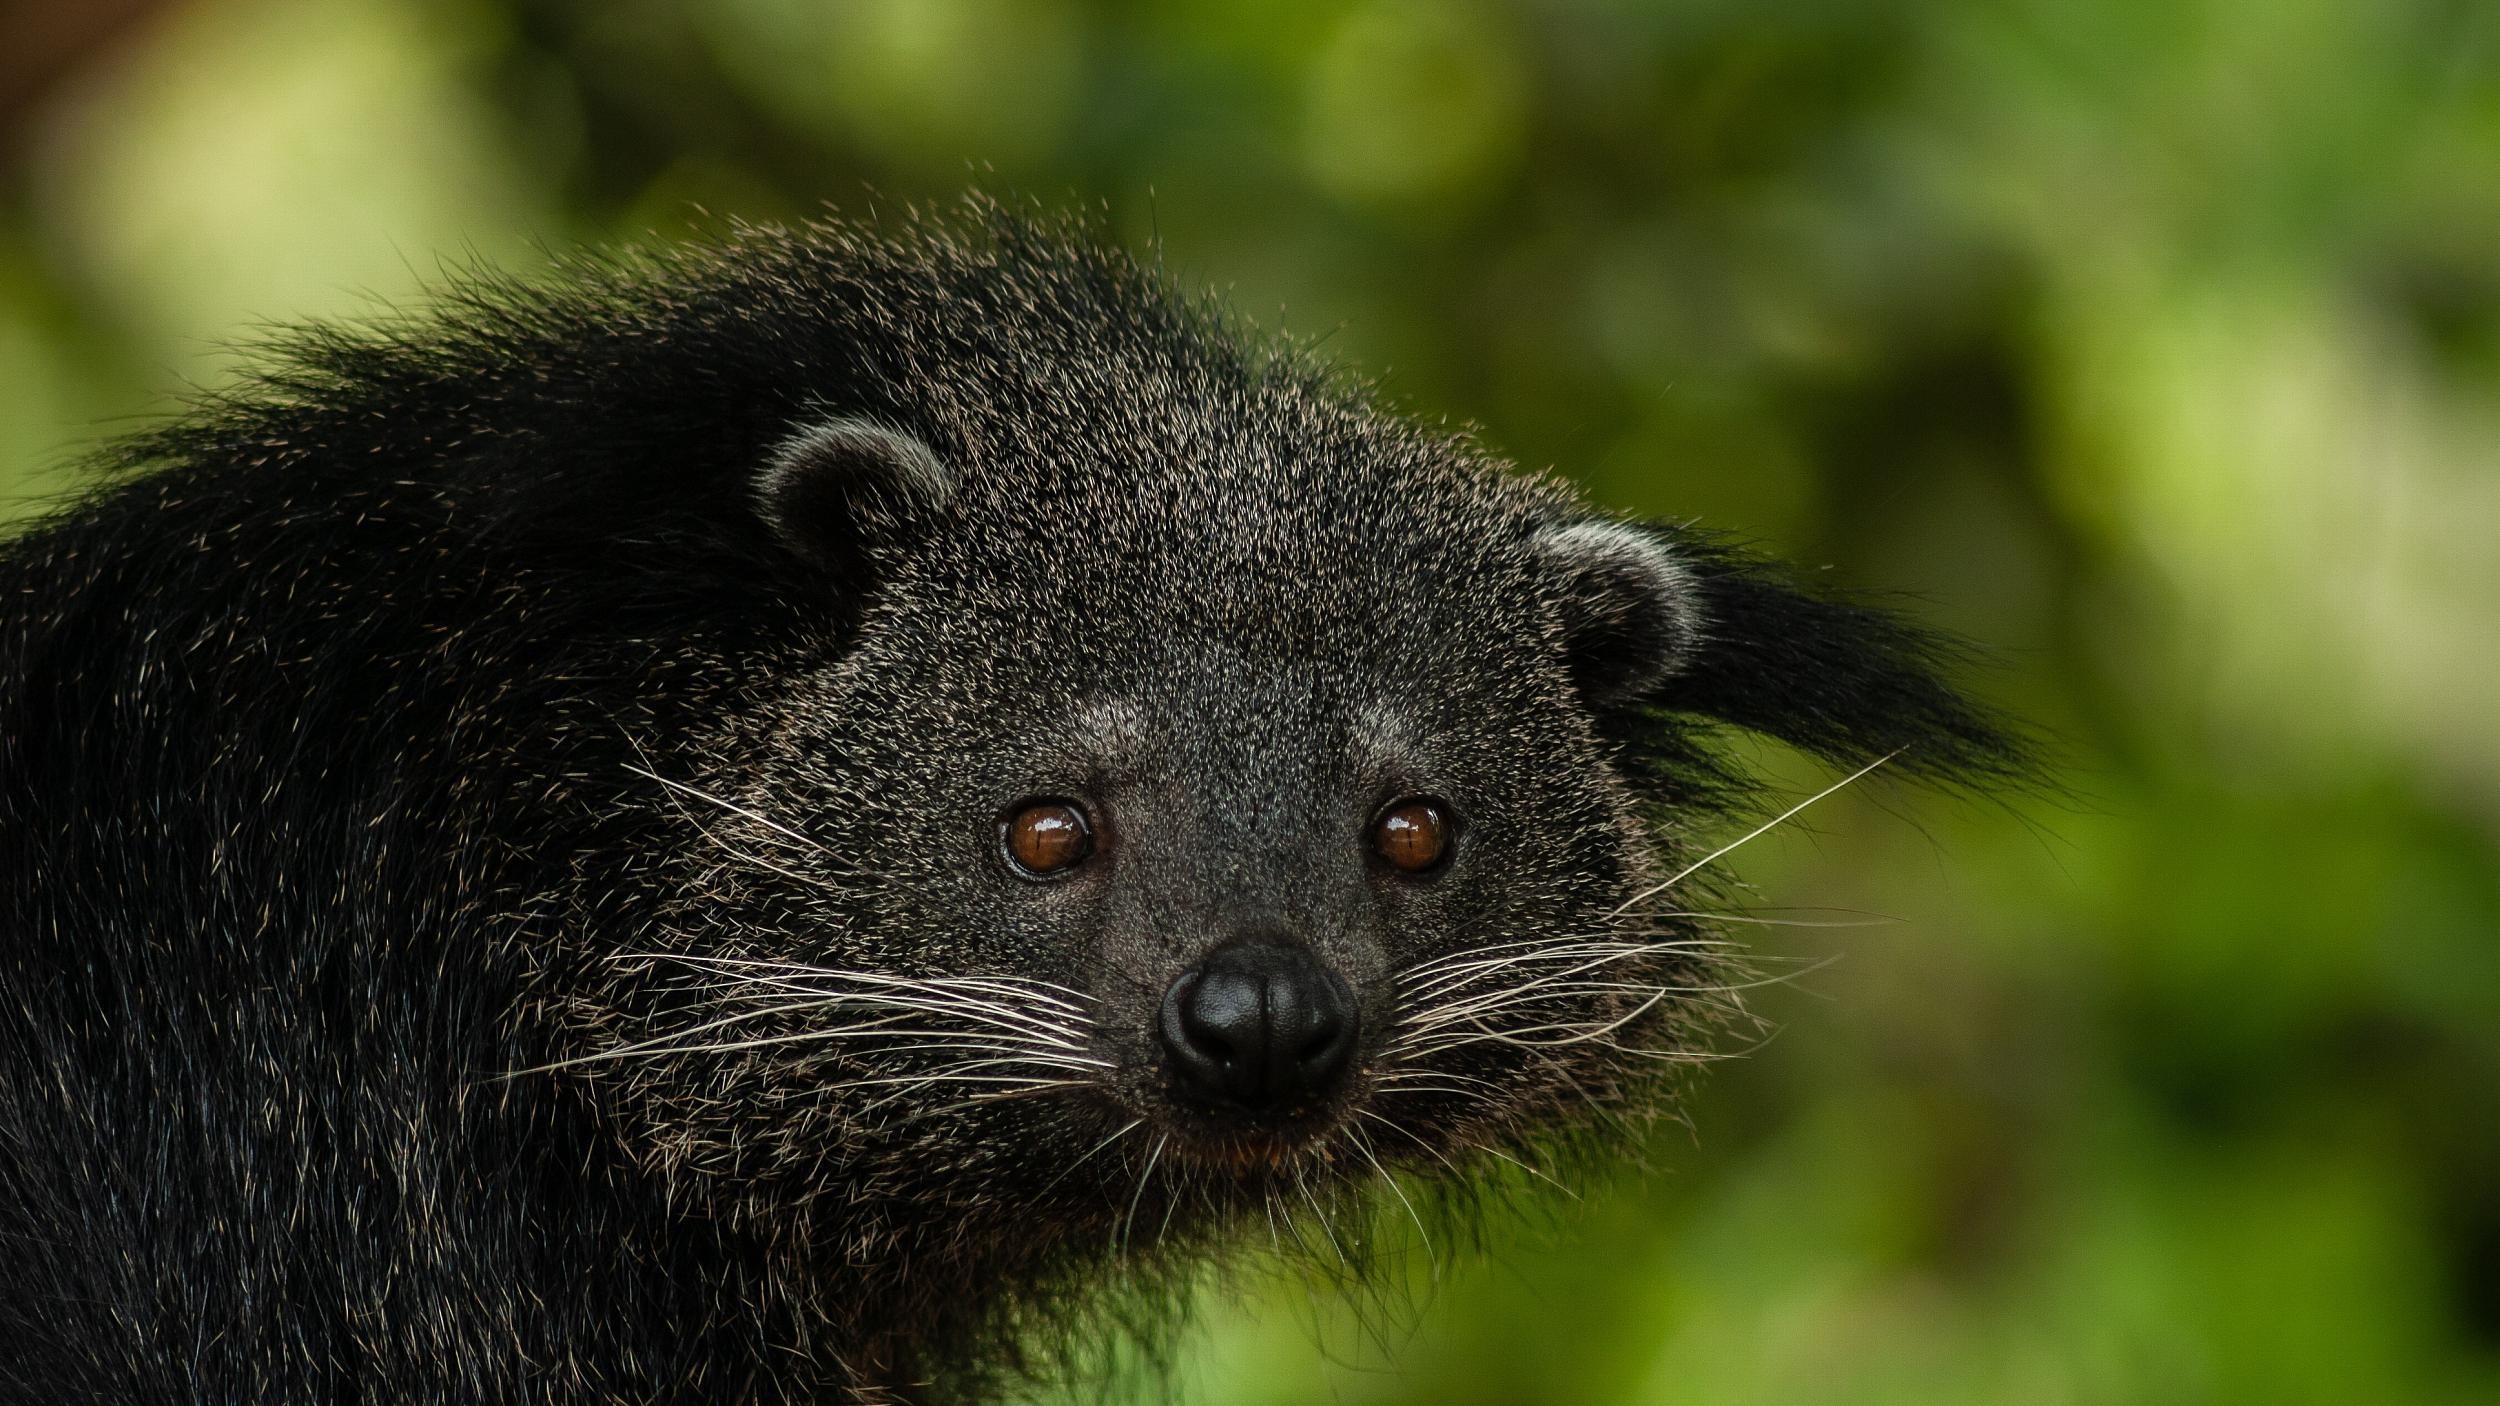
1045, 838
1412, 835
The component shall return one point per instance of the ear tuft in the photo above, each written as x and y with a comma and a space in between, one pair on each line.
835, 487
1629, 607
1844, 679
1663, 626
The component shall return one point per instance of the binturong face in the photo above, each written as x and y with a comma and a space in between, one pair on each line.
1158, 838
1285, 835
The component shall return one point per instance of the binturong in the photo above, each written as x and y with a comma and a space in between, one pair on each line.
750, 822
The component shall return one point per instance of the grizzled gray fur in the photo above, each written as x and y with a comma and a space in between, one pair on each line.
738, 823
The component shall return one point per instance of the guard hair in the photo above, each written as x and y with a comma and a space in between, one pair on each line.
681, 829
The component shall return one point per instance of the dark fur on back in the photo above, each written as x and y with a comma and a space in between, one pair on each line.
494, 821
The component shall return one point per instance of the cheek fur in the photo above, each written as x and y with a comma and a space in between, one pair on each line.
497, 828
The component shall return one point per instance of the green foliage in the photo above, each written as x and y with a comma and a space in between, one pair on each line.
2155, 342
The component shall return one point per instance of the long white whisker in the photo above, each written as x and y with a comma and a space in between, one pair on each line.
1557, 987
978, 1100
1129, 1221
1425, 1086
664, 1044
1029, 1054
1408, 1075
647, 1048
1026, 1081
1006, 1022
1417, 1037
731, 806
1573, 1033
1361, 1144
1123, 1131
1398, 1128
933, 996
1542, 981
1468, 974
1759, 921
974, 1059
1319, 1214
807, 977
1754, 834
1012, 985
1491, 1151
1488, 954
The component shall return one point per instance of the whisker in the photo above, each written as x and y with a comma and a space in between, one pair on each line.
1396, 1127
1491, 1151
1362, 1145
1546, 990
1320, 1214
1485, 955
1760, 921
1019, 1086
1584, 963
668, 1047
953, 1074
935, 996
1130, 1220
1425, 1086
657, 1043
1408, 1075
1000, 1022
1017, 985
1578, 1033
1553, 949
1123, 1131
1028, 1053
1754, 834
681, 788
979, 1100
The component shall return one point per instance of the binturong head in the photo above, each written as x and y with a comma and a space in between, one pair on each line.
1175, 789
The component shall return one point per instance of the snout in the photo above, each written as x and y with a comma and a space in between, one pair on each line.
1259, 1027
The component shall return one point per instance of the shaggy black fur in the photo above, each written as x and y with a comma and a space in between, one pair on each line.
499, 864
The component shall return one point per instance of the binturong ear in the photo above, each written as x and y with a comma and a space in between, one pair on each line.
836, 489
1629, 610
1663, 623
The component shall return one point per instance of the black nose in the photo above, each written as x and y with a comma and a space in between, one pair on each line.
1258, 1025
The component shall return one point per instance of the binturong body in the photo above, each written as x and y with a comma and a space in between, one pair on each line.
740, 823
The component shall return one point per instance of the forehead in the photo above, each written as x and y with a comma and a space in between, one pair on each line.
1306, 698
1269, 554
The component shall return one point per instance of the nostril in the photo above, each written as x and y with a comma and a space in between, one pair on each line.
1323, 1027
1258, 1024
1221, 1013
1189, 1038
1323, 1046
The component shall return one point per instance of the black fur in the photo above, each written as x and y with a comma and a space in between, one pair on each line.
421, 767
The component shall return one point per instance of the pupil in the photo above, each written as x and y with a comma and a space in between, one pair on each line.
1412, 836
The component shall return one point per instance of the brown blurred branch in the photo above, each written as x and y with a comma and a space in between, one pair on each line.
43, 42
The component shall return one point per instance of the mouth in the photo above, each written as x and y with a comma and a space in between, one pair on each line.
1252, 1157
1250, 1142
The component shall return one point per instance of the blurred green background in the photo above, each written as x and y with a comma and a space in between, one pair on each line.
2155, 343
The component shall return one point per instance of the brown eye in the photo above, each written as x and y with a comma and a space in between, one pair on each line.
1048, 837
1413, 836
